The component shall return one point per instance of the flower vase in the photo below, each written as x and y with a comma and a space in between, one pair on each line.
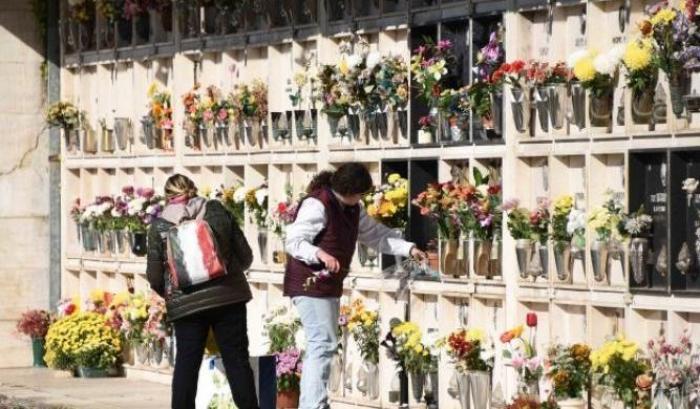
671, 398
205, 136
520, 107
72, 139
89, 140
402, 120
556, 98
148, 129
122, 132
578, 104
221, 131
85, 236
354, 125
287, 399
542, 106
262, 244
372, 380
485, 261
523, 253
543, 254
599, 259
677, 87
101, 246
642, 105
601, 109
571, 404
155, 353
165, 139
107, 143
563, 261
417, 383
336, 373
497, 110
638, 253
140, 353
38, 351
480, 389
431, 389
138, 243
366, 255
109, 238
450, 264
425, 136
463, 388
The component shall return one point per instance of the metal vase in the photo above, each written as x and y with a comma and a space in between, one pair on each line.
542, 105
139, 244
523, 253
578, 104
480, 389
463, 387
638, 253
543, 253
563, 260
336, 373
371, 377
382, 123
402, 118
107, 141
601, 109
86, 237
222, 134
262, 244
100, 247
642, 105
497, 110
520, 107
72, 138
557, 95
599, 259
366, 255
110, 238
122, 132
89, 140
677, 86
205, 136
417, 383
353, 125
450, 263
149, 133
431, 390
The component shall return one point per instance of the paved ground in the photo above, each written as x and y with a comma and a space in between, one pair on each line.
28, 388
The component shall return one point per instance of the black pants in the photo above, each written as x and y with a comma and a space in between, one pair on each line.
231, 334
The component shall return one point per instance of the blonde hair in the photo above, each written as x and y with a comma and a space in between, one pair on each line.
178, 185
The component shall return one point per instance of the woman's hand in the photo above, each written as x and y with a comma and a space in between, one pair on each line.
331, 263
418, 254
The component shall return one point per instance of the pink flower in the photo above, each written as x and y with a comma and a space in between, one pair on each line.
208, 115
510, 204
517, 362
223, 114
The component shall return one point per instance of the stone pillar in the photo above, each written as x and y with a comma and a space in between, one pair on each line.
24, 184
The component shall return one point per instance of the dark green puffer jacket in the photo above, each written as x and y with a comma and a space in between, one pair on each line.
234, 251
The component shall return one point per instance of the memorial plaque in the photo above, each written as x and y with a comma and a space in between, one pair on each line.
685, 221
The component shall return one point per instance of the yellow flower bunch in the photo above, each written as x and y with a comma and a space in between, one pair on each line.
388, 203
82, 339
599, 218
638, 54
663, 17
619, 347
584, 69
563, 204
360, 316
410, 349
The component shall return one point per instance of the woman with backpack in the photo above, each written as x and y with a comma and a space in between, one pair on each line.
322, 241
197, 256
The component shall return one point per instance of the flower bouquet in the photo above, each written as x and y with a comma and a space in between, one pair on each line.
486, 92
549, 84
281, 327
393, 91
569, 370
249, 104
561, 238
528, 228
388, 203
406, 347
363, 325
256, 201
522, 356
430, 65
672, 366
66, 116
616, 366
282, 216
641, 75
487, 216
605, 221
35, 324
597, 73
473, 361
336, 99
159, 118
304, 84
454, 105
576, 228
514, 75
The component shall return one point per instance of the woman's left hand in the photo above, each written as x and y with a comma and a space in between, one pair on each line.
418, 254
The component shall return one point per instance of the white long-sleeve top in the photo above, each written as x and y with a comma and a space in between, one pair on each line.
311, 220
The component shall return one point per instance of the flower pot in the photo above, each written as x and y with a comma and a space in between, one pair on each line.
451, 262
463, 389
336, 373
638, 253
571, 404
578, 104
480, 389
366, 255
148, 129
287, 399
87, 35
520, 108
642, 105
262, 244
677, 86
600, 109
562, 260
85, 372
122, 132
38, 351
138, 244
107, 142
556, 98
497, 110
109, 237
523, 253
542, 105
305, 124
89, 140
599, 260
417, 383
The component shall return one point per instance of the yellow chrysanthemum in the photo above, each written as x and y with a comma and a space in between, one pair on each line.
638, 54
97, 296
372, 210
152, 89
584, 69
663, 17
475, 334
393, 178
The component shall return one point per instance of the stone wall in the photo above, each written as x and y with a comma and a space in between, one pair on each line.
24, 203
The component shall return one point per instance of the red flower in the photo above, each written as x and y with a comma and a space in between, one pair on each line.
517, 66
70, 309
281, 207
531, 319
494, 189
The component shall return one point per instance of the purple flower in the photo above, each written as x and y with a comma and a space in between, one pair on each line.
510, 204
288, 362
128, 190
145, 192
342, 320
444, 45
420, 50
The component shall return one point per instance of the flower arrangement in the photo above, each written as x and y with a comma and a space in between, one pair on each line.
256, 202
576, 228
392, 82
283, 215
198, 110
429, 66
637, 224
569, 370
134, 317
563, 205
82, 340
289, 368
281, 328
454, 103
304, 79
159, 107
518, 220
64, 115
388, 203
641, 73
34, 323
617, 365
335, 92
521, 353
363, 324
249, 101
80, 10
607, 220
134, 210
490, 57
466, 349
427, 123
68, 306
440, 201
111, 10
597, 71
233, 199
409, 350
672, 365
514, 74
486, 207
155, 328
672, 34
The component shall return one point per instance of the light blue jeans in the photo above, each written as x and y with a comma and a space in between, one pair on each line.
319, 318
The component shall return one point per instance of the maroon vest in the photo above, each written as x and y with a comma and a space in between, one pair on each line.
338, 239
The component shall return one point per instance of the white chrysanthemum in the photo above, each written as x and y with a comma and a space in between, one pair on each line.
239, 194
575, 57
607, 63
373, 59
135, 206
353, 60
115, 213
261, 196
617, 52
